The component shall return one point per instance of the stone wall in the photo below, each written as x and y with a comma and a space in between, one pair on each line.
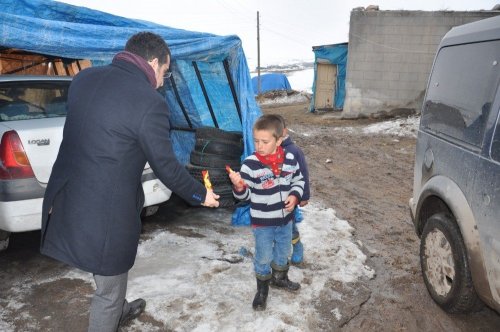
390, 56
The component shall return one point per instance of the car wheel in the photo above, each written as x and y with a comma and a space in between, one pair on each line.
149, 210
445, 267
4, 240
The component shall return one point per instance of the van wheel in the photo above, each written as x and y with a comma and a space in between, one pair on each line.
4, 240
445, 268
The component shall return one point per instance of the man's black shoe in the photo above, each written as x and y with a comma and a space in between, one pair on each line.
136, 308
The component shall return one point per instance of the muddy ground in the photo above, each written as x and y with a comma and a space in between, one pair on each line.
368, 181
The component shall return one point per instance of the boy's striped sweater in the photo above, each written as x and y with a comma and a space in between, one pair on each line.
267, 192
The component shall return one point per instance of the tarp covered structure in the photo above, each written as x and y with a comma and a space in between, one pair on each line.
210, 85
335, 54
270, 82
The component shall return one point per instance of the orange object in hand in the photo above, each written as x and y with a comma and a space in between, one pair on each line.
206, 179
229, 170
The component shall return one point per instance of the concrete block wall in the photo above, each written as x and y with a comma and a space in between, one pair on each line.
390, 56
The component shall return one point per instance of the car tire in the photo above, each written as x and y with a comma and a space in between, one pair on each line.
213, 160
149, 211
4, 240
219, 134
445, 266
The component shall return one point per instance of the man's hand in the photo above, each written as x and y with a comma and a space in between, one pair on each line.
237, 181
290, 203
303, 203
211, 200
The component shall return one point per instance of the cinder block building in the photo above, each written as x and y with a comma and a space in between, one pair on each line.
390, 56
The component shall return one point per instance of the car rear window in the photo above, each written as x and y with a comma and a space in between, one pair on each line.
32, 100
461, 91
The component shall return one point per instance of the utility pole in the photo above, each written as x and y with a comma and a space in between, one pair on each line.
258, 55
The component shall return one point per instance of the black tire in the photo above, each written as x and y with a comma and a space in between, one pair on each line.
218, 176
213, 160
450, 285
149, 211
220, 147
219, 134
4, 240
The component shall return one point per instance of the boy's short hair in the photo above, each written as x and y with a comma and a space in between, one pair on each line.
272, 123
282, 119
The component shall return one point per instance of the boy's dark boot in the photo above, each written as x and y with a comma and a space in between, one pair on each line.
280, 279
259, 301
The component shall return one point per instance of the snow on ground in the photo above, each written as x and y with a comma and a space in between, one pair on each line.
206, 282
403, 127
198, 276
201, 279
301, 80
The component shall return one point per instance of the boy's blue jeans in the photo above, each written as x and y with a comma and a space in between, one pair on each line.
272, 245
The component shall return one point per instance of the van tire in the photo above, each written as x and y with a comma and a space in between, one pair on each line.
450, 285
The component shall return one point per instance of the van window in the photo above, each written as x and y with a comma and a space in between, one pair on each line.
461, 90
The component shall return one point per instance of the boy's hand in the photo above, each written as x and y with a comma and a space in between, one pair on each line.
290, 203
303, 203
211, 199
237, 181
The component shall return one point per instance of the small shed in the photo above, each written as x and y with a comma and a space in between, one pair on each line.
270, 82
330, 62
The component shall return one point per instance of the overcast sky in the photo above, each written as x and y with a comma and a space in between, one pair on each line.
288, 28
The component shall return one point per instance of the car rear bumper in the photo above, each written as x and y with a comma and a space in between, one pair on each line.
21, 216
155, 192
25, 215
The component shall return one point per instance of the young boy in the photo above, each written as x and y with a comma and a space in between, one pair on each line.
289, 146
272, 182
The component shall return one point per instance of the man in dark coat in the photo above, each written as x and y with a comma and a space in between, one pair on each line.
116, 122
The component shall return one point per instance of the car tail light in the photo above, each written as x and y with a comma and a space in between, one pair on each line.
15, 163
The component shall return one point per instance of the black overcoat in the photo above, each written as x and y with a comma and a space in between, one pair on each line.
116, 122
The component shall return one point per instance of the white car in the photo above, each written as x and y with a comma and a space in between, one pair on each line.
32, 115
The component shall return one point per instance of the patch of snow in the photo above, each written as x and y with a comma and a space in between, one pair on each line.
285, 99
204, 280
336, 313
399, 127
402, 127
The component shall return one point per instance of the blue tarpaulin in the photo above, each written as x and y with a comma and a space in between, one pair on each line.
204, 65
335, 54
270, 82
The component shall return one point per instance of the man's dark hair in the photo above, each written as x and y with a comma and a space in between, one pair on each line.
272, 123
149, 46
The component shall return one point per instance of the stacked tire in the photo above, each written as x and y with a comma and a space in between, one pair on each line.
214, 149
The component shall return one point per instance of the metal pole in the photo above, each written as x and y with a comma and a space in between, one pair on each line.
258, 55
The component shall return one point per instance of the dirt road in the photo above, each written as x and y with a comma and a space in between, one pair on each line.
368, 182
